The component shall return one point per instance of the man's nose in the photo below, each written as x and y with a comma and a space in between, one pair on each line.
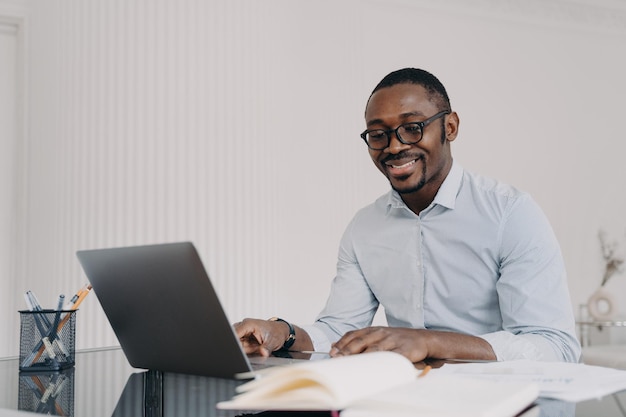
395, 145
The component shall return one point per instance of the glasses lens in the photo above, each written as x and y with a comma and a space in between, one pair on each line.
376, 139
410, 132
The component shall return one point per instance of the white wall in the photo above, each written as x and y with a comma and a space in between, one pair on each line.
234, 124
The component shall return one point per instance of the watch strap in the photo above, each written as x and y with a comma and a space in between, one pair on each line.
291, 339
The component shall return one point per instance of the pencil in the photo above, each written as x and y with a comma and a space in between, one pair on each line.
425, 371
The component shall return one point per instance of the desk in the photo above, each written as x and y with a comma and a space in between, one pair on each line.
104, 385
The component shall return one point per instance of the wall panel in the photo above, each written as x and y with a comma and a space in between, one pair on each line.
11, 133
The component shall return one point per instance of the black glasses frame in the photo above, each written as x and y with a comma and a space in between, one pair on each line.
388, 133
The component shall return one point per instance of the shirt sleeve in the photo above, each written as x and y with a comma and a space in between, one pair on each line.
350, 305
532, 290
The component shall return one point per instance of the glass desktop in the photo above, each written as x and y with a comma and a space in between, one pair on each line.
103, 384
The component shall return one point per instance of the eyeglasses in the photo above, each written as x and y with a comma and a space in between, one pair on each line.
407, 133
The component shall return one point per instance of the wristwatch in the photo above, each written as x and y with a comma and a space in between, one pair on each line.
291, 339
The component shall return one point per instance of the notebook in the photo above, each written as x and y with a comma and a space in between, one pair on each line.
164, 310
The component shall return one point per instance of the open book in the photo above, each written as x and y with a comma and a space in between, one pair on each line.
379, 383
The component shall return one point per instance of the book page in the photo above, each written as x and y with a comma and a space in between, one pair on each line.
324, 385
447, 396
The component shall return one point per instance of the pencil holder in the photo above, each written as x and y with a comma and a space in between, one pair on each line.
50, 392
47, 340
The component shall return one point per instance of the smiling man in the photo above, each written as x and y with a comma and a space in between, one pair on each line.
465, 267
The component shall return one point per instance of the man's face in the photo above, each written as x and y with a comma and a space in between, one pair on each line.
410, 168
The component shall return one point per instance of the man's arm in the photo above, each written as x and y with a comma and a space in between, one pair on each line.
534, 297
415, 344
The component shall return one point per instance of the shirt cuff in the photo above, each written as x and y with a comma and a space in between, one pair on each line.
508, 346
321, 343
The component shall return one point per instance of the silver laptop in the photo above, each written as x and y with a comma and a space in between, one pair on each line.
164, 310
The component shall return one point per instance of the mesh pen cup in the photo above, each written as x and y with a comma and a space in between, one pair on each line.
47, 340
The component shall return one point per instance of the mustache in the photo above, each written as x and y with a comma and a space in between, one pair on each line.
403, 155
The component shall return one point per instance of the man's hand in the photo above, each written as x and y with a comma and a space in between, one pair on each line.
261, 336
415, 344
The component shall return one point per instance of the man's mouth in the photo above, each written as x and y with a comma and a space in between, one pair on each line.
401, 166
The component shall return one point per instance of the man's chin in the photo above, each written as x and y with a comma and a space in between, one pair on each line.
406, 188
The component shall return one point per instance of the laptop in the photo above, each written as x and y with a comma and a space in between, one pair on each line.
165, 311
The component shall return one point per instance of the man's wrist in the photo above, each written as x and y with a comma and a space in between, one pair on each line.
291, 338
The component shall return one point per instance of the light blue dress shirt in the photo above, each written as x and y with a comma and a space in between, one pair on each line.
481, 259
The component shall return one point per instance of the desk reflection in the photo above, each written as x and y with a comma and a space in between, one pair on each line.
49, 392
159, 394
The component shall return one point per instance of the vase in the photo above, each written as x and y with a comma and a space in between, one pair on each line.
602, 305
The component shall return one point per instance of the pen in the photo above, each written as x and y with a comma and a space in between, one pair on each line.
425, 371
29, 304
38, 318
34, 301
52, 334
33, 305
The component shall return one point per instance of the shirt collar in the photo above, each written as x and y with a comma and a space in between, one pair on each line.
446, 196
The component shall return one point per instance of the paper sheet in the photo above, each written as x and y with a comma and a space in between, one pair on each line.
563, 381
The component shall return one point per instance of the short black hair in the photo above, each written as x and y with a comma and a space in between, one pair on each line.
435, 89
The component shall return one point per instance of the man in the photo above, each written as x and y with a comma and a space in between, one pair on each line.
464, 266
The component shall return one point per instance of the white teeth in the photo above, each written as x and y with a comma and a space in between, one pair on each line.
403, 165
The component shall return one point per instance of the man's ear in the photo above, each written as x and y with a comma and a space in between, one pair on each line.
452, 126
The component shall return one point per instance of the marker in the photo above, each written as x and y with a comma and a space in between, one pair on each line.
48, 347
61, 347
58, 386
60, 302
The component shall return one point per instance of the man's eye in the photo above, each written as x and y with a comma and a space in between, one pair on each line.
377, 135
412, 128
